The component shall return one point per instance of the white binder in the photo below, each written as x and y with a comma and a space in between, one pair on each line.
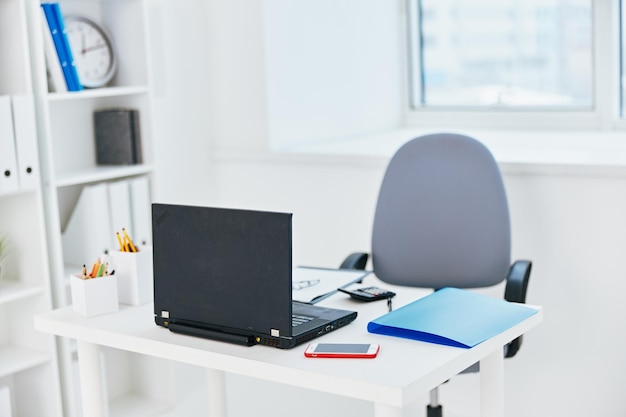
8, 162
88, 232
141, 211
25, 127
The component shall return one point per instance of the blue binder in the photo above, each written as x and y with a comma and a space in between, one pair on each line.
56, 24
452, 317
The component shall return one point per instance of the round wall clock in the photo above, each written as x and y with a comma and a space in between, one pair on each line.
94, 54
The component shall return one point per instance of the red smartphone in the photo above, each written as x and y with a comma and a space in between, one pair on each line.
342, 350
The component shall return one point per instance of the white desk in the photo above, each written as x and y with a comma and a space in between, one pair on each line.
403, 371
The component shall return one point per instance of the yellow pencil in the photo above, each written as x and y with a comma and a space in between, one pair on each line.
129, 240
119, 240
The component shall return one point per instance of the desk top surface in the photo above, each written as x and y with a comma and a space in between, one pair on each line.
403, 370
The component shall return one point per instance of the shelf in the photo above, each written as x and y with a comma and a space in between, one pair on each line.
68, 151
132, 405
13, 291
98, 93
97, 174
15, 359
13, 193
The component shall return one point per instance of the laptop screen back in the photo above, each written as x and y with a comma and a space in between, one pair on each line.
223, 268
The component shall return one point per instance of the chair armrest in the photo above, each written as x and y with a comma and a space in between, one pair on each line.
515, 291
517, 281
356, 260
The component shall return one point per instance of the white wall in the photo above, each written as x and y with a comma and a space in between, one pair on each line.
572, 225
181, 117
333, 68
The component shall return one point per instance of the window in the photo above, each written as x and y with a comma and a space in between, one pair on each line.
535, 53
558, 61
622, 71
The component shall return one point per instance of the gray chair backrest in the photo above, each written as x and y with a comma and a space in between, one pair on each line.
442, 216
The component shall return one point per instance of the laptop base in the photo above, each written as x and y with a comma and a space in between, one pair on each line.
212, 334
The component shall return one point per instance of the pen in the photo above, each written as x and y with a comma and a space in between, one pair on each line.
298, 285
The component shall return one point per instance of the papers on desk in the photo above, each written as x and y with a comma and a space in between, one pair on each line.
452, 317
311, 285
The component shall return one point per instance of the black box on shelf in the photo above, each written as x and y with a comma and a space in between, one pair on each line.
118, 137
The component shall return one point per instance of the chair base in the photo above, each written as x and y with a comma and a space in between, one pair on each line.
434, 411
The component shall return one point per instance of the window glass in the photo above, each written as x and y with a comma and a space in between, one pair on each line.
503, 53
622, 59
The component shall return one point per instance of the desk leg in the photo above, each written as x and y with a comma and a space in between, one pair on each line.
384, 410
492, 385
91, 381
217, 393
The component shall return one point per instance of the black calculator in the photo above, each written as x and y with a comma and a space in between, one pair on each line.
368, 293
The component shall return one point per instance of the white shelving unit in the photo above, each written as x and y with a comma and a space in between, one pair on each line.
68, 159
28, 359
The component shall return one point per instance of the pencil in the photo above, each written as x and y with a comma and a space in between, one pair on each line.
100, 270
94, 269
119, 240
129, 240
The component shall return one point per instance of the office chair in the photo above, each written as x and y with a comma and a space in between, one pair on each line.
442, 220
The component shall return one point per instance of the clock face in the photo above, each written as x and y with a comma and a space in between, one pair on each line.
92, 50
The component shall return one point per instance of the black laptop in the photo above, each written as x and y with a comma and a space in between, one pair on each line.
225, 274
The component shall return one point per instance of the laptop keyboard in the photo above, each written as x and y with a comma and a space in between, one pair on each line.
297, 319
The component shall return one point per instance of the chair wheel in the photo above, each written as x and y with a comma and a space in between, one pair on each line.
434, 411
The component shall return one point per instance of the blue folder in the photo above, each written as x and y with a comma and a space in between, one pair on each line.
56, 24
452, 317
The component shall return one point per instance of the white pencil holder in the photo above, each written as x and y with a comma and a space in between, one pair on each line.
94, 296
134, 275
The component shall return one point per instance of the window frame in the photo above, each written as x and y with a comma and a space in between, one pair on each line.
604, 113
